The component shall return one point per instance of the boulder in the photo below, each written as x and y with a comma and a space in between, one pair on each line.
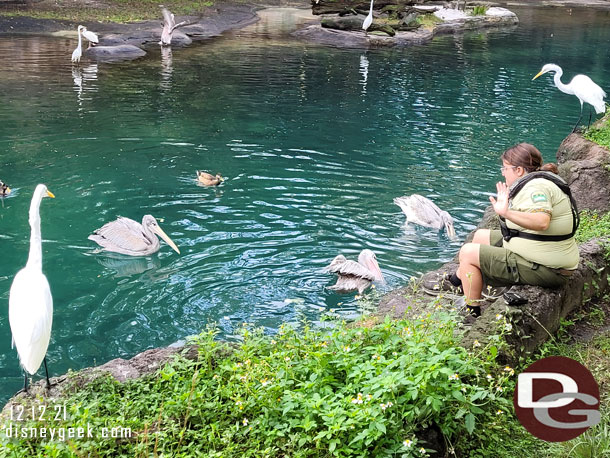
118, 52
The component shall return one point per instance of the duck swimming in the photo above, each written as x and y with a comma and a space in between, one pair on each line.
208, 179
4, 189
355, 276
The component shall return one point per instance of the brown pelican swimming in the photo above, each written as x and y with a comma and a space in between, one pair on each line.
421, 210
4, 189
355, 275
169, 25
127, 236
208, 179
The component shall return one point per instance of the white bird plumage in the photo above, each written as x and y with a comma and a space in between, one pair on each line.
421, 210
355, 276
78, 52
30, 301
369, 19
90, 36
581, 86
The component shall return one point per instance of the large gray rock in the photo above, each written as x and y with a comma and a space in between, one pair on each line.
118, 52
586, 167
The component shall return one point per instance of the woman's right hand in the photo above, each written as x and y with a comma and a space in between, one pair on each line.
501, 204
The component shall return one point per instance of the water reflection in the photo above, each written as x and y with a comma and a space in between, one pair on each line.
166, 68
125, 266
364, 71
81, 76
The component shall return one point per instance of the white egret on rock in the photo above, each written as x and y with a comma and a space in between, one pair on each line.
78, 52
355, 276
369, 19
581, 86
421, 210
129, 237
90, 36
30, 304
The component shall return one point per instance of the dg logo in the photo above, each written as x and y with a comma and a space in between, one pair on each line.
557, 399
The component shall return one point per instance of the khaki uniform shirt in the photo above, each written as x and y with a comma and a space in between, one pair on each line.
541, 195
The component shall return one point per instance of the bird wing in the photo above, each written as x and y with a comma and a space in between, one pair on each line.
168, 18
347, 284
91, 36
420, 210
31, 316
586, 90
352, 268
123, 233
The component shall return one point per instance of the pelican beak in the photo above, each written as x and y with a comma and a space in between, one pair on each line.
50, 194
165, 237
8, 191
450, 230
539, 73
373, 266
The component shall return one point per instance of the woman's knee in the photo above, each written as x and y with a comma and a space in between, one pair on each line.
469, 254
482, 237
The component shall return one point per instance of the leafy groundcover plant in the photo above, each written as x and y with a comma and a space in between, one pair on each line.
341, 390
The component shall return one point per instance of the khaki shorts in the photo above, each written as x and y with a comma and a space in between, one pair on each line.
502, 267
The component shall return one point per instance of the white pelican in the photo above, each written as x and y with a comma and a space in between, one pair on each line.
90, 36
421, 210
30, 304
169, 25
369, 19
4, 189
581, 86
127, 236
355, 276
78, 52
208, 179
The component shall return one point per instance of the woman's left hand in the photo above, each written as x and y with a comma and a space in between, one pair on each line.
501, 204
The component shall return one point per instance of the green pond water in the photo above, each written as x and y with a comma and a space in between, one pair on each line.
315, 143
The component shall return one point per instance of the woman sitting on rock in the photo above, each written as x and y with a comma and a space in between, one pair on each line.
536, 244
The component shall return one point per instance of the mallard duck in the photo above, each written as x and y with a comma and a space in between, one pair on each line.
127, 236
4, 189
208, 179
355, 276
421, 210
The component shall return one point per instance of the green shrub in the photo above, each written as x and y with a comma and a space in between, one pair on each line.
480, 10
600, 136
347, 391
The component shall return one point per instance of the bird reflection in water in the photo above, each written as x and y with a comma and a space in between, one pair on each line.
125, 266
364, 71
166, 67
82, 75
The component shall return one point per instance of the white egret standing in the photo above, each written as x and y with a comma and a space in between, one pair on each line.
78, 52
581, 86
90, 36
30, 304
369, 19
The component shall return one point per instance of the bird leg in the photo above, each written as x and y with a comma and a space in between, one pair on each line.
46, 370
576, 125
590, 114
25, 384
